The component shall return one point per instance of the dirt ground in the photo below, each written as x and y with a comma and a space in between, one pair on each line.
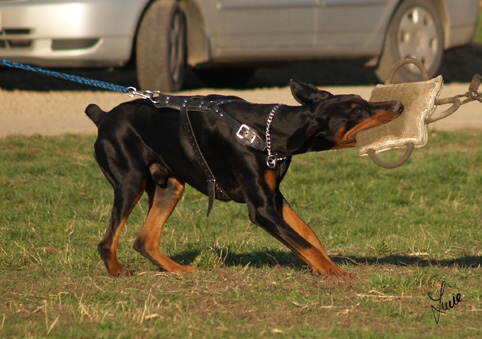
34, 103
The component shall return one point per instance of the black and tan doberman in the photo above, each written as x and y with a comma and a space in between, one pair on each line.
141, 147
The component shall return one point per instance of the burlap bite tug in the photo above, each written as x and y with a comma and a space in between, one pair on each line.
410, 129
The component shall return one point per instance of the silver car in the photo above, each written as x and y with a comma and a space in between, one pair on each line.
230, 38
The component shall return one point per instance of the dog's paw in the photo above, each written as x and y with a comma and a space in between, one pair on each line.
338, 273
181, 269
119, 271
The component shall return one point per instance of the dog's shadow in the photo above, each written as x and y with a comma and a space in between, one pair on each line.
272, 258
269, 258
409, 260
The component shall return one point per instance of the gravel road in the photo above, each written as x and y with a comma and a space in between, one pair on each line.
33, 103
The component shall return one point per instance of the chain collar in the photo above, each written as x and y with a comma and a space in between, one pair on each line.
272, 159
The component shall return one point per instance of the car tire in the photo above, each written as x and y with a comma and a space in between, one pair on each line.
416, 31
161, 47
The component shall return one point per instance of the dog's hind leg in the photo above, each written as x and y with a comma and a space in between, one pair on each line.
125, 198
162, 201
128, 180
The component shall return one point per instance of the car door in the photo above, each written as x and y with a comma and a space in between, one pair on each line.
352, 27
257, 28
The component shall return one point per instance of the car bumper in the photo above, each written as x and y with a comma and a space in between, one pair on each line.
80, 36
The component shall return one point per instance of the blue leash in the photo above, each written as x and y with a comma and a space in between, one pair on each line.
75, 78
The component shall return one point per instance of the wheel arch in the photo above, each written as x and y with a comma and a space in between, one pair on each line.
197, 42
444, 18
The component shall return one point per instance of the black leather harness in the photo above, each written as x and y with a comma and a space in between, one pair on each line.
245, 134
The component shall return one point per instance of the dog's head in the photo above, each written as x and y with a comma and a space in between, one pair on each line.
336, 119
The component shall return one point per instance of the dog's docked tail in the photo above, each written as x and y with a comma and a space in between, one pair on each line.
94, 113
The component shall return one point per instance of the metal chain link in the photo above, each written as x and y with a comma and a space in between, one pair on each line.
472, 95
153, 96
272, 159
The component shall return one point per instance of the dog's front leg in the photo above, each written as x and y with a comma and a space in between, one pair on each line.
283, 224
268, 209
317, 258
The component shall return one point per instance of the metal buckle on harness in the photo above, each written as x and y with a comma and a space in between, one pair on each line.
245, 135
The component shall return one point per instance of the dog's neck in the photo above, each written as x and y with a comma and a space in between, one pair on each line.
297, 130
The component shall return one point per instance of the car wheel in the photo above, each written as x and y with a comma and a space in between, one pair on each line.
415, 31
161, 47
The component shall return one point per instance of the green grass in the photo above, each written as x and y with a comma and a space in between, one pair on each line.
402, 232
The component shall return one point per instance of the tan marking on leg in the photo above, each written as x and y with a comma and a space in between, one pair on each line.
271, 179
148, 240
110, 259
316, 256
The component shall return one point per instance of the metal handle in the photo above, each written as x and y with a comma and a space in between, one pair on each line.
390, 165
403, 62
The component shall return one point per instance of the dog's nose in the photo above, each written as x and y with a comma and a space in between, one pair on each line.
398, 107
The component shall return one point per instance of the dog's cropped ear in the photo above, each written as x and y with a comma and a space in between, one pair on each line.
307, 94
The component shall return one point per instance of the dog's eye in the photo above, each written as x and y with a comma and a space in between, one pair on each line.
356, 112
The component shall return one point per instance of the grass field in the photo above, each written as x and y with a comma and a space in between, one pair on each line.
401, 232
